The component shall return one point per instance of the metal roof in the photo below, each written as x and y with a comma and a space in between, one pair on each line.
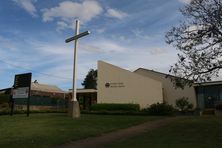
46, 88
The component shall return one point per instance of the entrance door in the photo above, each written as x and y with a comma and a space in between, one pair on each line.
211, 95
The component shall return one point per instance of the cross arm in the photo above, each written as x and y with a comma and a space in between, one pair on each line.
77, 36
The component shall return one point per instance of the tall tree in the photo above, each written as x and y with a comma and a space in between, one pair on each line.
199, 40
90, 81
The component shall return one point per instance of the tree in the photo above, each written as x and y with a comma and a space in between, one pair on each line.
90, 81
199, 40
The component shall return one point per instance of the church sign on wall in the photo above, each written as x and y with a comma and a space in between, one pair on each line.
114, 84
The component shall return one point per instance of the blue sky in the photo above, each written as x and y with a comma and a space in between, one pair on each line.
126, 33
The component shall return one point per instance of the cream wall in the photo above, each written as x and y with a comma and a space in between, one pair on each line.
126, 86
170, 94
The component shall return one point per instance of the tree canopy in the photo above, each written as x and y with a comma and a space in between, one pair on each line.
199, 40
90, 81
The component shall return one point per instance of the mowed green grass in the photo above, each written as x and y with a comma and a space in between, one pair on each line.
191, 132
48, 130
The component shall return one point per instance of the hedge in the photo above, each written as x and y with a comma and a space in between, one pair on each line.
115, 107
42, 101
7, 112
218, 107
159, 109
4, 98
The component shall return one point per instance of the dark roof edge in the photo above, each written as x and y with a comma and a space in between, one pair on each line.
4, 89
208, 83
196, 84
156, 72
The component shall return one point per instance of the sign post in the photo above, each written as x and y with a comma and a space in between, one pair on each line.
22, 87
11, 102
75, 111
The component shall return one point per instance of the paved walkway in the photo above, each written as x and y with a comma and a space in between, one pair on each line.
97, 142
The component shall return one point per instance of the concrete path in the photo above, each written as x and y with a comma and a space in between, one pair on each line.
97, 142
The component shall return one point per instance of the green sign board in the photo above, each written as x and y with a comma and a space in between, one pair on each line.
22, 87
23, 80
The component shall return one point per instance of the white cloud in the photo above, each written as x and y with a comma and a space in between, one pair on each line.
121, 38
61, 25
28, 6
100, 49
101, 30
102, 46
56, 59
141, 57
66, 12
124, 39
57, 75
139, 34
6, 44
49, 48
50, 63
185, 1
158, 51
116, 13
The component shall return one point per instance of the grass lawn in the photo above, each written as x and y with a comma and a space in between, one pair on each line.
48, 130
191, 132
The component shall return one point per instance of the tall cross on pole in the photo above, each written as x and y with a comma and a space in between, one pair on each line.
74, 110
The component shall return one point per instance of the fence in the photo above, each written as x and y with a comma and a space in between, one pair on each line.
36, 103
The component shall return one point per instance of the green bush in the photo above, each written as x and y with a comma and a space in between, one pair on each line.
208, 112
4, 108
159, 109
4, 98
4, 105
7, 111
218, 106
115, 107
42, 101
130, 113
183, 104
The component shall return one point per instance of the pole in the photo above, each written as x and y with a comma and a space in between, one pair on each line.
12, 102
75, 63
12, 106
75, 104
28, 101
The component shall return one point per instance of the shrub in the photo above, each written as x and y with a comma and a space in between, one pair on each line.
183, 104
4, 98
115, 107
4, 108
160, 109
130, 113
218, 106
7, 111
4, 105
208, 112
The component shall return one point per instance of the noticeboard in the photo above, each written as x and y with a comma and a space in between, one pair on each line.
21, 92
23, 80
22, 85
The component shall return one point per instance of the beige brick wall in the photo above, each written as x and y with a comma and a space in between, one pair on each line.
126, 87
170, 94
